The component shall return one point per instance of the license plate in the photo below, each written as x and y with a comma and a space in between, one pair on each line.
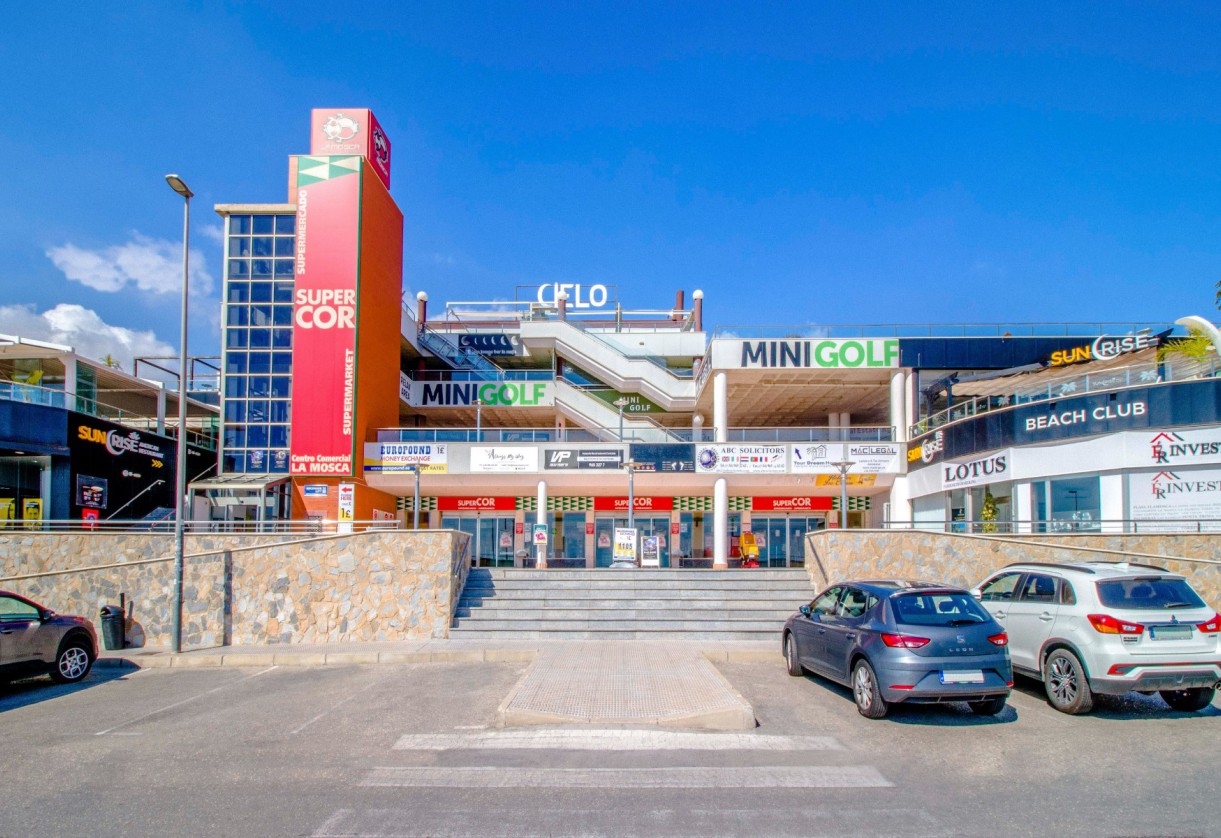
1169, 632
970, 676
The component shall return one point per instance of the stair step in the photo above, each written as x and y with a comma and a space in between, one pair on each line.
588, 634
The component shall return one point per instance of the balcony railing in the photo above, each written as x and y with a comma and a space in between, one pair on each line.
472, 375
761, 436
1117, 378
1063, 526
932, 330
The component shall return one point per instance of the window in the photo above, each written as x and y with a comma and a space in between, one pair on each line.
1001, 588
1038, 587
856, 602
825, 604
1152, 592
14, 610
1067, 595
937, 609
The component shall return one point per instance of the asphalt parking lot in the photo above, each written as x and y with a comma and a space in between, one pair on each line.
410, 751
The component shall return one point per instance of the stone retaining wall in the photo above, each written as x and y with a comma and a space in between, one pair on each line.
377, 585
965, 560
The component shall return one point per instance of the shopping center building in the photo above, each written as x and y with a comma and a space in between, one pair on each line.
541, 424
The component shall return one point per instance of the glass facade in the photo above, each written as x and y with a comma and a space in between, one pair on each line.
258, 342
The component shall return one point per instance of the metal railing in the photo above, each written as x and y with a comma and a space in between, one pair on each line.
49, 397
858, 433
1116, 378
456, 356
471, 375
932, 330
1064, 526
166, 526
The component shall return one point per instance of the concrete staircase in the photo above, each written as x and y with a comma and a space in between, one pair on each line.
725, 605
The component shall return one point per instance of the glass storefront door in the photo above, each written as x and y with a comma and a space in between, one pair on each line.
491, 537
781, 538
604, 533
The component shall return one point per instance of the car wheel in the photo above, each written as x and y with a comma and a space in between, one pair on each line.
988, 707
1190, 700
790, 656
865, 690
1068, 689
72, 663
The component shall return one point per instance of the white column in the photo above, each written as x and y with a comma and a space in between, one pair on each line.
697, 428
1110, 489
70, 380
541, 518
1023, 506
720, 406
161, 408
898, 405
900, 504
720, 523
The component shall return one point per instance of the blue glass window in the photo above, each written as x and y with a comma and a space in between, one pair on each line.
261, 269
286, 224
260, 338
235, 363
233, 463
260, 385
260, 292
284, 292
279, 436
262, 246
256, 462
235, 411
235, 436
282, 315
239, 224
239, 246
284, 268
282, 338
279, 411
284, 247
239, 269
237, 316
280, 386
235, 387
260, 315
260, 362
281, 362
235, 338
239, 292
256, 436
256, 410
264, 225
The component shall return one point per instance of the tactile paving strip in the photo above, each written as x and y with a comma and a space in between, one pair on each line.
625, 683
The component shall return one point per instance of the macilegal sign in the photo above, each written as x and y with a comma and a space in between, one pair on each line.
829, 353
489, 393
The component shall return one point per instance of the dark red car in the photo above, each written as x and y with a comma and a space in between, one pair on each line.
35, 640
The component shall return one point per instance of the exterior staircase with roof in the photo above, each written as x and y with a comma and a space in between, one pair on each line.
611, 604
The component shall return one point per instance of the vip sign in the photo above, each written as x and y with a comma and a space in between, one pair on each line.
1180, 500
982, 471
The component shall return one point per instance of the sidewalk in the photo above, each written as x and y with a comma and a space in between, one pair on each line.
405, 652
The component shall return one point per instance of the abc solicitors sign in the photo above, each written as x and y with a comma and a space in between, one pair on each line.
324, 316
880, 353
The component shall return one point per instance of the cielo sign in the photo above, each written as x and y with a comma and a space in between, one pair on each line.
488, 393
579, 296
829, 353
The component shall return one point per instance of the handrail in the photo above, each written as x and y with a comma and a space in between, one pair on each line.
456, 356
1064, 526
939, 330
474, 375
854, 434
1115, 378
35, 526
681, 375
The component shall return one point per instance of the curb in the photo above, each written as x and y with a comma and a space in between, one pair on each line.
189, 661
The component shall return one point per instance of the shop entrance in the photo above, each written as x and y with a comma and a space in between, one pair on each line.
782, 538
646, 525
491, 537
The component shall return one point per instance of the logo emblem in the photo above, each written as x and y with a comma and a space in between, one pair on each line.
340, 128
708, 458
380, 147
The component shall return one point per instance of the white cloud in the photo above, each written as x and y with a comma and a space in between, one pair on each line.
149, 264
82, 329
215, 232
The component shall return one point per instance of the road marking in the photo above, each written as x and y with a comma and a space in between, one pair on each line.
613, 740
180, 703
494, 777
336, 706
1039, 707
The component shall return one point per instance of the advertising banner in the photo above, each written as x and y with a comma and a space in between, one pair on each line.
639, 504
650, 551
404, 457
663, 456
853, 480
625, 545
826, 353
1176, 500
324, 316
347, 502
740, 459
540, 535
477, 504
404, 388
866, 457
582, 458
490, 393
345, 131
489, 343
503, 459
1174, 448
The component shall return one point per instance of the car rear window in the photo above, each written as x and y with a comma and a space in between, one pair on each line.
1153, 592
937, 609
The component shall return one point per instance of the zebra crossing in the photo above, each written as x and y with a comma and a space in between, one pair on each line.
542, 781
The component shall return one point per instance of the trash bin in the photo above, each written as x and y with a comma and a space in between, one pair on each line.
112, 627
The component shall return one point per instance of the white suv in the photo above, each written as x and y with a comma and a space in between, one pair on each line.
1106, 627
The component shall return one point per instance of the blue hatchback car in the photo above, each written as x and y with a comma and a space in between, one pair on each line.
894, 641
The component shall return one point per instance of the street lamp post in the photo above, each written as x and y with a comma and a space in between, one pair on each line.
621, 403
630, 465
478, 420
843, 466
178, 185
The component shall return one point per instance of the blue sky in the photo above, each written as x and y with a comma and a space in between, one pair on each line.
801, 163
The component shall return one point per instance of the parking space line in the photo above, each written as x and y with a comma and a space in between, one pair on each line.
336, 706
180, 703
1041, 708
